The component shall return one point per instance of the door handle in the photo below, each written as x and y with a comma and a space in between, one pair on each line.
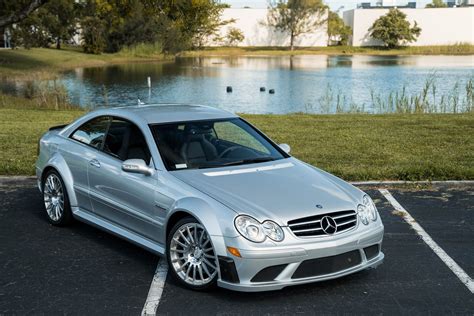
95, 163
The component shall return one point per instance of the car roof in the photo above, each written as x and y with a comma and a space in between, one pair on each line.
165, 113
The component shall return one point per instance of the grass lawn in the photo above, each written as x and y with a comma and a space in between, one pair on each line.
45, 62
458, 49
352, 146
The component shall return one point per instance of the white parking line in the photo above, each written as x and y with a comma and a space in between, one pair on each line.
457, 270
156, 289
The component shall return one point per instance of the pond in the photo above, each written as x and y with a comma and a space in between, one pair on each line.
315, 84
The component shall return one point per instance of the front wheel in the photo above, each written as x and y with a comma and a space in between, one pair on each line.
191, 256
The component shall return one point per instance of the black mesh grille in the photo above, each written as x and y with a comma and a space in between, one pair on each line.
327, 265
311, 225
268, 274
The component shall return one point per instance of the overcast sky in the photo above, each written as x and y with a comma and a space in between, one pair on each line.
334, 4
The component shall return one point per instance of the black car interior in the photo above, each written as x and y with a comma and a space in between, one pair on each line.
125, 141
195, 144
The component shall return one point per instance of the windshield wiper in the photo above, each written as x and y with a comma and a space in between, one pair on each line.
238, 162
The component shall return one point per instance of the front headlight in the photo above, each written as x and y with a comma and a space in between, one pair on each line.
371, 206
251, 229
273, 231
367, 210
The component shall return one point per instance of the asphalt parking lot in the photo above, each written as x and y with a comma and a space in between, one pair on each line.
82, 270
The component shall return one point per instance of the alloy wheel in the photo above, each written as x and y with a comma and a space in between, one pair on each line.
53, 197
192, 255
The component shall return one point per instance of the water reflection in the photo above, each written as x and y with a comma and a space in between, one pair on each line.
303, 83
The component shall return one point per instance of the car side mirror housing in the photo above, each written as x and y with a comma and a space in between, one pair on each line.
285, 147
137, 166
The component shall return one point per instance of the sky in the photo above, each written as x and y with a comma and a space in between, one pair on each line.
334, 4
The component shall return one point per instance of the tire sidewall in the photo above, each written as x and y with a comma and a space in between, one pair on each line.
181, 222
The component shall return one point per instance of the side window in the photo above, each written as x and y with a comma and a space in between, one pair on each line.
92, 133
232, 133
125, 141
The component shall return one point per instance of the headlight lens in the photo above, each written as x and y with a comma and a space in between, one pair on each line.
251, 229
363, 214
273, 231
367, 210
371, 206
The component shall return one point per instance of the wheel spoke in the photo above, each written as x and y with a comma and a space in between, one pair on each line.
200, 272
184, 237
180, 243
178, 259
208, 256
179, 250
205, 243
200, 238
209, 264
188, 270
190, 235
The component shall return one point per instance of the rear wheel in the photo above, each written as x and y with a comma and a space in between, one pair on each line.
56, 201
191, 256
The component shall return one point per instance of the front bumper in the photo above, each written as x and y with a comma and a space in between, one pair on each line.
273, 268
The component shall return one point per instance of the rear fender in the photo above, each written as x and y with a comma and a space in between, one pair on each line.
59, 164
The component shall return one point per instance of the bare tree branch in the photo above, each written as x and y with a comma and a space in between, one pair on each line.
16, 17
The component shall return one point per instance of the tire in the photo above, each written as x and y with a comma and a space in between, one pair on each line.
56, 201
191, 256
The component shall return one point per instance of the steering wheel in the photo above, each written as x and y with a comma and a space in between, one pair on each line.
232, 149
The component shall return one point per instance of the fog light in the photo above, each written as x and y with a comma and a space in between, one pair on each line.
234, 251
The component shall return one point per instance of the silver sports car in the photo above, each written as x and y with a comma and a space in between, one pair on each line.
204, 188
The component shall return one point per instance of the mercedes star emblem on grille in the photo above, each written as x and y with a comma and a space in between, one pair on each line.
328, 224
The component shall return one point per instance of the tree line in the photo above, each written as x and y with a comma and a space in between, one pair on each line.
176, 25
110, 25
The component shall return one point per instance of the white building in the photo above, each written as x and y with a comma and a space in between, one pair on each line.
251, 23
440, 26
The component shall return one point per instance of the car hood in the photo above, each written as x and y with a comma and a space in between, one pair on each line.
279, 190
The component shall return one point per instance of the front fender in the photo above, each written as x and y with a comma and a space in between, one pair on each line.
215, 217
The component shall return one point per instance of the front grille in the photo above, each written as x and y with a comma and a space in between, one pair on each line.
311, 226
327, 265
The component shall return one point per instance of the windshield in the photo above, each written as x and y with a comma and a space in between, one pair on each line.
212, 144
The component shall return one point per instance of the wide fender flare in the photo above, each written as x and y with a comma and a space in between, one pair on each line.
215, 217
59, 164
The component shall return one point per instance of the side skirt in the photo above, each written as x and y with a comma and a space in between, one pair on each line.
118, 231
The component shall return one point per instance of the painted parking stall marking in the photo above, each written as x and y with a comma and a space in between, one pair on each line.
455, 268
156, 288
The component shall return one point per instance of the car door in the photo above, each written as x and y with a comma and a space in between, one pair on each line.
124, 198
79, 151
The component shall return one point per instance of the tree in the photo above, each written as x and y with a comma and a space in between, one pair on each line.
199, 20
234, 36
14, 11
437, 4
393, 29
337, 29
54, 22
60, 18
295, 17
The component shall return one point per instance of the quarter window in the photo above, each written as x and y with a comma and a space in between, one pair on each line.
93, 132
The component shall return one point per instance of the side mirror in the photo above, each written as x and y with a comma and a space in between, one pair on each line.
285, 147
136, 166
